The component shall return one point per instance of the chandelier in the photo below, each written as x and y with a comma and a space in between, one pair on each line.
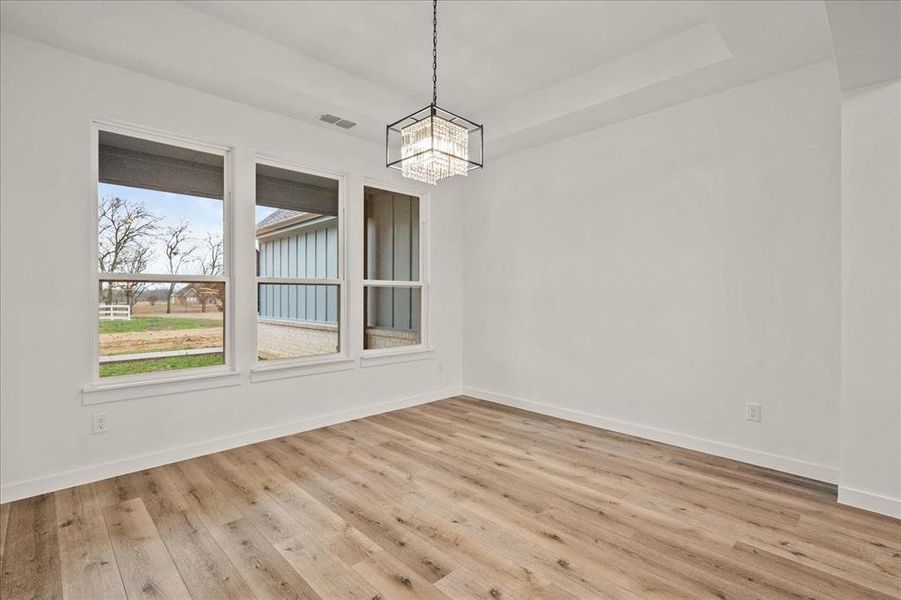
433, 144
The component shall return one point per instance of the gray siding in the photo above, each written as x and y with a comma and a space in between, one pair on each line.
392, 243
311, 253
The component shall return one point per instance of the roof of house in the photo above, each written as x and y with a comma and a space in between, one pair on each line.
278, 216
283, 218
196, 289
186, 289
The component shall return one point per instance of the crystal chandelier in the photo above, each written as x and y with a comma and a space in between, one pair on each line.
433, 144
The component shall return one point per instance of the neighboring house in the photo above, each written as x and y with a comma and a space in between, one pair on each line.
391, 239
303, 319
198, 294
297, 320
187, 295
302, 245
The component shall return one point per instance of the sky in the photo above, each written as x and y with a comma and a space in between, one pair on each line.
205, 215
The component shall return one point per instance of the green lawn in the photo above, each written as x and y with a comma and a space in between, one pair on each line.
160, 364
157, 324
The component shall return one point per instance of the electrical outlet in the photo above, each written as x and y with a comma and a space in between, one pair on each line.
100, 424
752, 411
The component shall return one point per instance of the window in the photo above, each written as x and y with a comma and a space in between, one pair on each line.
161, 260
299, 274
393, 283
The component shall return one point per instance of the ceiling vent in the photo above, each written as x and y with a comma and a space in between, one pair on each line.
337, 121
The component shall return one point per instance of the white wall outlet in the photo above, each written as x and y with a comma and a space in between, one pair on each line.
752, 411
100, 424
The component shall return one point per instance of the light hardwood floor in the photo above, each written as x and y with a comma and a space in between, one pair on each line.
459, 499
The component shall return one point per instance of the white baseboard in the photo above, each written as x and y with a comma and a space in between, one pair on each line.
740, 453
59, 481
869, 501
849, 496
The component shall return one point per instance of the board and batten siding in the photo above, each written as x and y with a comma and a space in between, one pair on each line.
392, 243
310, 253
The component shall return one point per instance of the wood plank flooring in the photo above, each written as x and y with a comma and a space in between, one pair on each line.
454, 499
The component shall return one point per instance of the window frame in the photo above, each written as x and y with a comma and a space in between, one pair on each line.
132, 384
422, 350
265, 370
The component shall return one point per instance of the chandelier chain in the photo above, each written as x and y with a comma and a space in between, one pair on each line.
434, 143
434, 52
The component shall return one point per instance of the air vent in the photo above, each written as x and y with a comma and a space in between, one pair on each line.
338, 121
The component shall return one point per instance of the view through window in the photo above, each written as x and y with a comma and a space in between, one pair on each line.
299, 276
392, 281
160, 256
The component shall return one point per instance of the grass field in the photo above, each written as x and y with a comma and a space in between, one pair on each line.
157, 324
160, 364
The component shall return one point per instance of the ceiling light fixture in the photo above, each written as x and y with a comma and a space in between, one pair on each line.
432, 143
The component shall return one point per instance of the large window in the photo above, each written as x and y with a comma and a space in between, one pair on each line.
393, 287
161, 259
299, 271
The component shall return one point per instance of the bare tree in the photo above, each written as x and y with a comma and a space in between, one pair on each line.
211, 263
124, 230
136, 262
179, 251
121, 224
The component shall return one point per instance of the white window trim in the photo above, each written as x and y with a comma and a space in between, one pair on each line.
422, 351
186, 380
400, 354
282, 368
127, 387
308, 365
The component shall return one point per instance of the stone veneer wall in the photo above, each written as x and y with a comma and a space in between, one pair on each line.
377, 337
290, 339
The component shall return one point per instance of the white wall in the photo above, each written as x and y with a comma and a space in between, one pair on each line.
655, 275
48, 101
871, 299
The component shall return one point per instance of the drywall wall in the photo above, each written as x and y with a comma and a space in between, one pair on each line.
871, 299
656, 275
49, 99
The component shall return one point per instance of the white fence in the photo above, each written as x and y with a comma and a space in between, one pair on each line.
113, 312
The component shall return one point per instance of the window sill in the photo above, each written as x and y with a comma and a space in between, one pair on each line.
391, 356
301, 368
115, 391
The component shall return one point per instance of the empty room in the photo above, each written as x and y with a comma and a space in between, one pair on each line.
502, 300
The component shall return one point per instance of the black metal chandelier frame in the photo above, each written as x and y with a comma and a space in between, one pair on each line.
433, 110
424, 113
